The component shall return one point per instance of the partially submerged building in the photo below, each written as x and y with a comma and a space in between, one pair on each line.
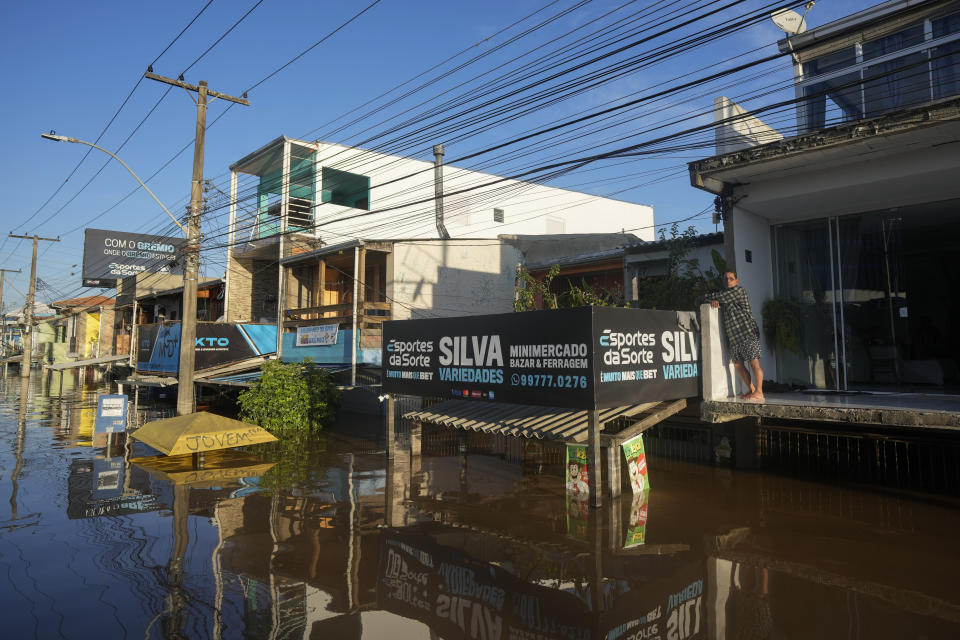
86, 324
849, 229
329, 241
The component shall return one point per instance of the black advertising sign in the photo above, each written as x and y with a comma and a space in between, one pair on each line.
587, 357
217, 343
459, 597
645, 356
111, 255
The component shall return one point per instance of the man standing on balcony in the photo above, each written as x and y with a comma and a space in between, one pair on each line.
743, 335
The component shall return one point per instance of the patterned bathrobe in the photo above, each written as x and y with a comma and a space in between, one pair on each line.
743, 334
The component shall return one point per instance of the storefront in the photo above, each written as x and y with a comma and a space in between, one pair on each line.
873, 297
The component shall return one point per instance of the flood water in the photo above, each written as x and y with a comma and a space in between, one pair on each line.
471, 539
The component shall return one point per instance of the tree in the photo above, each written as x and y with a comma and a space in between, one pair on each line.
290, 398
684, 281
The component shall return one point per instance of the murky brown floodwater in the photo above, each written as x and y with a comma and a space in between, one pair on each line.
333, 542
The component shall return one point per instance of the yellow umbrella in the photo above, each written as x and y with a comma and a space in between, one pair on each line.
196, 432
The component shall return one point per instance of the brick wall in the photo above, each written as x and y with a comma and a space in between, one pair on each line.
253, 290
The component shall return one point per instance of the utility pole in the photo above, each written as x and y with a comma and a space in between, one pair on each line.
3, 317
27, 361
188, 322
438, 190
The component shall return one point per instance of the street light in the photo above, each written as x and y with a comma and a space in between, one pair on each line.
56, 138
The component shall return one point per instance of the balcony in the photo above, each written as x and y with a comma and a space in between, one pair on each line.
890, 67
370, 319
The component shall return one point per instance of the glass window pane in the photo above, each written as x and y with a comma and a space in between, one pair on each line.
946, 25
897, 84
830, 62
833, 101
945, 62
804, 289
893, 42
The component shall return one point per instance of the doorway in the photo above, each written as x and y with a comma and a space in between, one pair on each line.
873, 293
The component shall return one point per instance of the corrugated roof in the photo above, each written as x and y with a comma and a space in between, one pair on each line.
84, 363
86, 301
521, 420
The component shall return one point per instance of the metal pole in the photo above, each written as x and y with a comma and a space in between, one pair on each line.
438, 190
390, 417
593, 456
353, 337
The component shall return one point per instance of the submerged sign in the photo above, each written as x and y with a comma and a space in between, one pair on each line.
588, 357
111, 414
111, 255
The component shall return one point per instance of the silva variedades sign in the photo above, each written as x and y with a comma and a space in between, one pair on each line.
111, 255
587, 357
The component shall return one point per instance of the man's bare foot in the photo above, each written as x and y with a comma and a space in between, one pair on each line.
753, 397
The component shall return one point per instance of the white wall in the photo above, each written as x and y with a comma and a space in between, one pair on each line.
752, 233
435, 278
403, 189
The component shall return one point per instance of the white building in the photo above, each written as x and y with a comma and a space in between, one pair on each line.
292, 197
855, 222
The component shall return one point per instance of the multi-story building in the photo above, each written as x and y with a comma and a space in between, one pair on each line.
849, 228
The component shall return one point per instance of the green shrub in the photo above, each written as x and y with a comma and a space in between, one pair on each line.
290, 398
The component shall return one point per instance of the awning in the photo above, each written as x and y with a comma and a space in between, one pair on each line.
85, 363
528, 421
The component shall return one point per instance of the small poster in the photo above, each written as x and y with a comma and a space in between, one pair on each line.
111, 414
637, 526
578, 491
636, 464
578, 478
322, 335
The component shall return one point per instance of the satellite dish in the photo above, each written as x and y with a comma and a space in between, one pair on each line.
789, 21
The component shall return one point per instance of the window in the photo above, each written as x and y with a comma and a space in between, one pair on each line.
833, 101
498, 215
896, 84
894, 42
830, 62
946, 25
345, 189
897, 71
945, 62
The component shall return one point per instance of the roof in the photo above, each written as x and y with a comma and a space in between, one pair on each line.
205, 284
86, 301
521, 420
891, 11
701, 240
83, 363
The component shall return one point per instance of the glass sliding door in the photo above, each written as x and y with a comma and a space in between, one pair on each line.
872, 291
874, 297
804, 285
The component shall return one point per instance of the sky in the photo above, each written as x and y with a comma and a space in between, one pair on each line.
77, 69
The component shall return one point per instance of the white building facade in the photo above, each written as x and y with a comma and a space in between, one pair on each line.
850, 230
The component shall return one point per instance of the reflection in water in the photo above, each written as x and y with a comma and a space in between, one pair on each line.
452, 538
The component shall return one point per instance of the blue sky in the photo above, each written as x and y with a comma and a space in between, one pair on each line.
70, 65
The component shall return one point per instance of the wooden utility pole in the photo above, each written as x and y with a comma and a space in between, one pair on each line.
188, 322
3, 317
27, 361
